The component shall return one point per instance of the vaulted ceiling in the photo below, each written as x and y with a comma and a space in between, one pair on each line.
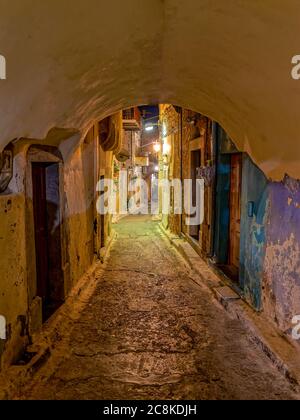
71, 63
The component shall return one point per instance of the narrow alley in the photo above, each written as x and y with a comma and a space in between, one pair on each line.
149, 200
148, 331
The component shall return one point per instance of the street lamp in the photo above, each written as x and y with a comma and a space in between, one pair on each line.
166, 149
156, 147
149, 128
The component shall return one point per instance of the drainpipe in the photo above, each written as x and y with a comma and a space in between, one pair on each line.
214, 187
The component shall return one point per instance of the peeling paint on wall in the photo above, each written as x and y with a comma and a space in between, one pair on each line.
282, 262
253, 239
19, 302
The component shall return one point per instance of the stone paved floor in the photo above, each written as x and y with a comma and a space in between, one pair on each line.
149, 332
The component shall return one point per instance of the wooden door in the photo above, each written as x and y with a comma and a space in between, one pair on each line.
41, 230
235, 210
46, 208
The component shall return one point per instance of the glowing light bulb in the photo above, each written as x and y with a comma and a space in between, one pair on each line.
166, 149
156, 147
149, 128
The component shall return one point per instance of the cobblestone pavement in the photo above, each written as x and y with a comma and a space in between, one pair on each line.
149, 332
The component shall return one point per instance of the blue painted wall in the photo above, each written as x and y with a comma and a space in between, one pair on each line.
221, 235
253, 231
284, 210
253, 240
281, 280
270, 237
222, 210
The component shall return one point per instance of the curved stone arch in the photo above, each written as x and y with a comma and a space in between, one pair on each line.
228, 60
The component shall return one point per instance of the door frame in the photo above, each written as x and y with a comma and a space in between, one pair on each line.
240, 166
42, 154
195, 156
225, 150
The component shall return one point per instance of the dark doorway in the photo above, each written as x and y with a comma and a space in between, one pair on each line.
194, 231
231, 264
47, 222
235, 211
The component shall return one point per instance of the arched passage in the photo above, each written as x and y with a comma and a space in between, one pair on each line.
229, 61
67, 68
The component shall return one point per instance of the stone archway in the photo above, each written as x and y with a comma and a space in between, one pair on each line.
231, 62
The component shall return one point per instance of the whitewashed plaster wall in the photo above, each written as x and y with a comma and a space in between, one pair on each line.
70, 63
